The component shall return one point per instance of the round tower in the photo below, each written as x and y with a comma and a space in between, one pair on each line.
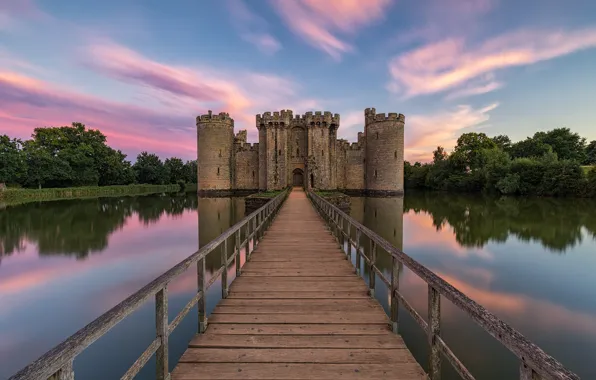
215, 142
384, 154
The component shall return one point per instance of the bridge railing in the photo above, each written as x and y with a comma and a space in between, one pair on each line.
57, 364
535, 364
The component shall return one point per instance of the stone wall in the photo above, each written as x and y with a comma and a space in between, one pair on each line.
246, 161
215, 137
384, 135
354, 172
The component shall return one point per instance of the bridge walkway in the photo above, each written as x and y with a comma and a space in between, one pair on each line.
298, 311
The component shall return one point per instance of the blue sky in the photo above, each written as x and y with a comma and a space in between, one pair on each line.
141, 71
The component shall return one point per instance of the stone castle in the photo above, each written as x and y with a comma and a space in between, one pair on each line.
301, 150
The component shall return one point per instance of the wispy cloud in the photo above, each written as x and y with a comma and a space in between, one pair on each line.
318, 22
450, 63
425, 132
252, 27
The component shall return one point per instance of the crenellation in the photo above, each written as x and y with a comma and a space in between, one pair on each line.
302, 150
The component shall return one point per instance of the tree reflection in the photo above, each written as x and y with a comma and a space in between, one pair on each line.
82, 226
477, 220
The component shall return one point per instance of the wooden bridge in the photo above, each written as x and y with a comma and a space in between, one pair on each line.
298, 308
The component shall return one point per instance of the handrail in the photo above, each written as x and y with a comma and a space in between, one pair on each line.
535, 364
56, 364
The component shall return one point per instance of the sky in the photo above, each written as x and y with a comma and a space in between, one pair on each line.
142, 70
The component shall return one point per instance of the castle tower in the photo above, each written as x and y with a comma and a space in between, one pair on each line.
273, 149
215, 149
384, 135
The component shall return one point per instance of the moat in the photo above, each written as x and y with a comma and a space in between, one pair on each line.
530, 261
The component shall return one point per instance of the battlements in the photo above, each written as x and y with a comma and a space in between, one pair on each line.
277, 117
371, 116
240, 137
246, 147
222, 117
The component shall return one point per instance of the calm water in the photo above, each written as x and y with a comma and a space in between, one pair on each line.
529, 261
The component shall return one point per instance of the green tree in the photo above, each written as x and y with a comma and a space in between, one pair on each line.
190, 171
149, 169
529, 147
439, 154
566, 144
175, 166
115, 169
590, 153
45, 169
503, 142
469, 146
13, 165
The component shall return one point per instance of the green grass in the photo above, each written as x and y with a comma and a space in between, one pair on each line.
325, 194
28, 195
587, 168
266, 194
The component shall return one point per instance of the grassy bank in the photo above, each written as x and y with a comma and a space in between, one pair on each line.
28, 195
266, 194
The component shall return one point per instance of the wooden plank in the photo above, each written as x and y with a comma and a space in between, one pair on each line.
291, 302
328, 258
387, 340
306, 287
300, 295
297, 329
297, 308
327, 317
298, 273
298, 282
291, 371
293, 265
296, 355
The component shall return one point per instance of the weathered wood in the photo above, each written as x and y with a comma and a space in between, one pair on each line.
527, 373
65, 373
184, 311
371, 269
394, 288
358, 252
327, 317
298, 329
542, 363
296, 355
307, 303
214, 277
202, 288
296, 308
142, 360
294, 371
161, 327
455, 362
299, 294
238, 248
224, 274
406, 305
385, 341
291, 287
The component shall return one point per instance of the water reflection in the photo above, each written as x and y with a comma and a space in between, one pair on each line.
494, 251
64, 263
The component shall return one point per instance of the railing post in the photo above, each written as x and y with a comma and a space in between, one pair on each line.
434, 330
342, 238
358, 251
237, 253
65, 373
372, 276
201, 289
394, 299
349, 248
527, 373
224, 273
161, 326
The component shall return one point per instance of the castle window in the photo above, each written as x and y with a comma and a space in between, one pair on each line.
375, 174
377, 135
364, 161
322, 132
220, 153
253, 174
279, 152
297, 152
395, 154
322, 152
375, 213
217, 171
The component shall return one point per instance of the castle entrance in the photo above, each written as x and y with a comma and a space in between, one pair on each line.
298, 176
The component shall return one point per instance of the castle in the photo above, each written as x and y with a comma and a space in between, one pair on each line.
301, 150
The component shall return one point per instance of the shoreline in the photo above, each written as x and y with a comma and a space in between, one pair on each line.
10, 196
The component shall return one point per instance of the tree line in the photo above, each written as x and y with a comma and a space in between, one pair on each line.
72, 156
553, 163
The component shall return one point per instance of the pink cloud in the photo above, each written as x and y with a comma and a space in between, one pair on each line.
28, 103
180, 89
425, 132
450, 63
317, 21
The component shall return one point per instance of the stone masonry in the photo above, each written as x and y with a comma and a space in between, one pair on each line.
301, 150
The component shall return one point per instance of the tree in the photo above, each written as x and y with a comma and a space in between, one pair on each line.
469, 146
115, 169
176, 168
13, 165
149, 169
529, 148
590, 154
503, 142
45, 169
567, 145
439, 154
190, 171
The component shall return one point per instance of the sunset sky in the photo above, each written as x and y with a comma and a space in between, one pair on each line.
141, 71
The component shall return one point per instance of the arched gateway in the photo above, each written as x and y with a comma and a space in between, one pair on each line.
298, 177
